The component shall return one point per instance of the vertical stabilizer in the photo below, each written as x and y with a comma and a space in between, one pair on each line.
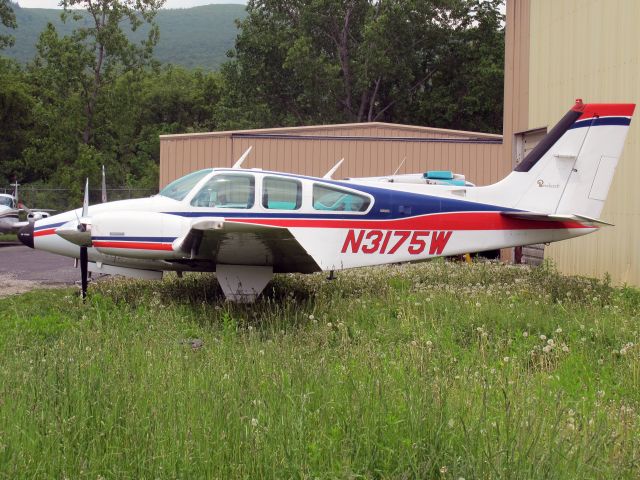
571, 169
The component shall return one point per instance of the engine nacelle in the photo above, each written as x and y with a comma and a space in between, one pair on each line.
34, 216
138, 234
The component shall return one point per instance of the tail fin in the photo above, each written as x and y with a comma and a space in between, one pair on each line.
571, 169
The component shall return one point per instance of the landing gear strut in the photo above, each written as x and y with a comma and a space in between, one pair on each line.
243, 283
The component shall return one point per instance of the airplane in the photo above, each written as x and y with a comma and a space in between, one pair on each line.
248, 224
10, 209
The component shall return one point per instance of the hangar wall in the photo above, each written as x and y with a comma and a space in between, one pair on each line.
584, 49
369, 149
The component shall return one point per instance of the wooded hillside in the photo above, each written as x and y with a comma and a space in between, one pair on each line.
191, 37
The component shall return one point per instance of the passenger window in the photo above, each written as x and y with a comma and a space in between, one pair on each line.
335, 199
227, 191
281, 194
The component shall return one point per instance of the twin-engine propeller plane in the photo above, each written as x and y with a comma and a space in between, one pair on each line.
10, 209
247, 225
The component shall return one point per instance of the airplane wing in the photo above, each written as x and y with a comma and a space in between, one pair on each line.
12, 227
237, 243
556, 217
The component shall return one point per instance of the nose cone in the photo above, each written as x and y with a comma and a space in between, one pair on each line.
25, 235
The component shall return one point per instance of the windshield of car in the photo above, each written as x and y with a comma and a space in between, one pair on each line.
178, 189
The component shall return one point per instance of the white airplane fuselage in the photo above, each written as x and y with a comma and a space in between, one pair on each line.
402, 224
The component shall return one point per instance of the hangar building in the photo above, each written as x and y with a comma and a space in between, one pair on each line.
557, 52
369, 149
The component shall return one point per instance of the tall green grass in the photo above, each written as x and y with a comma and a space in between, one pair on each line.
437, 370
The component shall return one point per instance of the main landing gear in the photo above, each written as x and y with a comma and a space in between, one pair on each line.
243, 283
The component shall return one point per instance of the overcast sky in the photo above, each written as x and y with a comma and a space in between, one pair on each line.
168, 4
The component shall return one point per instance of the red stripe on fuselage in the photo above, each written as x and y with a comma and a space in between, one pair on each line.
41, 233
133, 245
443, 221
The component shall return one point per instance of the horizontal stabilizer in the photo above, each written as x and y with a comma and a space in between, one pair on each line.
557, 217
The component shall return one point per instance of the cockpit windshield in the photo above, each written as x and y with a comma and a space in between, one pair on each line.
6, 202
178, 189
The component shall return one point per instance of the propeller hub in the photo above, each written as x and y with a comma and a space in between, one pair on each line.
75, 232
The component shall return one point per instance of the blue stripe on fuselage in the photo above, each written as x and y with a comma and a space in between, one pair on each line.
51, 225
601, 121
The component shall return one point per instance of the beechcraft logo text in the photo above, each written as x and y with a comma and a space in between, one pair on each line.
547, 185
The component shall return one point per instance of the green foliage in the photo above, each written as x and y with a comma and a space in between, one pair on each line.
436, 63
7, 20
436, 370
16, 118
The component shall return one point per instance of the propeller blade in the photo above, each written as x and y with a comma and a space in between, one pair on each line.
84, 266
85, 204
84, 257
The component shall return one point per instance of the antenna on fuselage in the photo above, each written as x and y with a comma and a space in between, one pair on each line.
238, 164
399, 166
15, 191
333, 169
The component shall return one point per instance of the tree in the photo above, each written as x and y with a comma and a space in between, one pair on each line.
16, 118
319, 61
106, 50
74, 77
8, 19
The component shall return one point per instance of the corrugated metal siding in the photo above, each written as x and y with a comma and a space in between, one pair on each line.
589, 49
516, 73
380, 152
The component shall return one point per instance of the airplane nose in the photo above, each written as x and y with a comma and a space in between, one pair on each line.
25, 235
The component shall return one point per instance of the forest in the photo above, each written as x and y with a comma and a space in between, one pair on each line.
94, 94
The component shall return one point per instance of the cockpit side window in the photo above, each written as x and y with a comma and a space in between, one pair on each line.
6, 201
281, 193
180, 188
226, 191
338, 200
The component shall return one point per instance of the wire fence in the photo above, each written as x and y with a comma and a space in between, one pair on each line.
61, 199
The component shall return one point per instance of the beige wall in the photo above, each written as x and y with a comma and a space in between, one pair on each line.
591, 49
516, 73
371, 149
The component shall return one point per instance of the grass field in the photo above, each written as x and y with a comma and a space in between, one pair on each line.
437, 370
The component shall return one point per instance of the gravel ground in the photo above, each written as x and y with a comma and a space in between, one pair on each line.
23, 269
